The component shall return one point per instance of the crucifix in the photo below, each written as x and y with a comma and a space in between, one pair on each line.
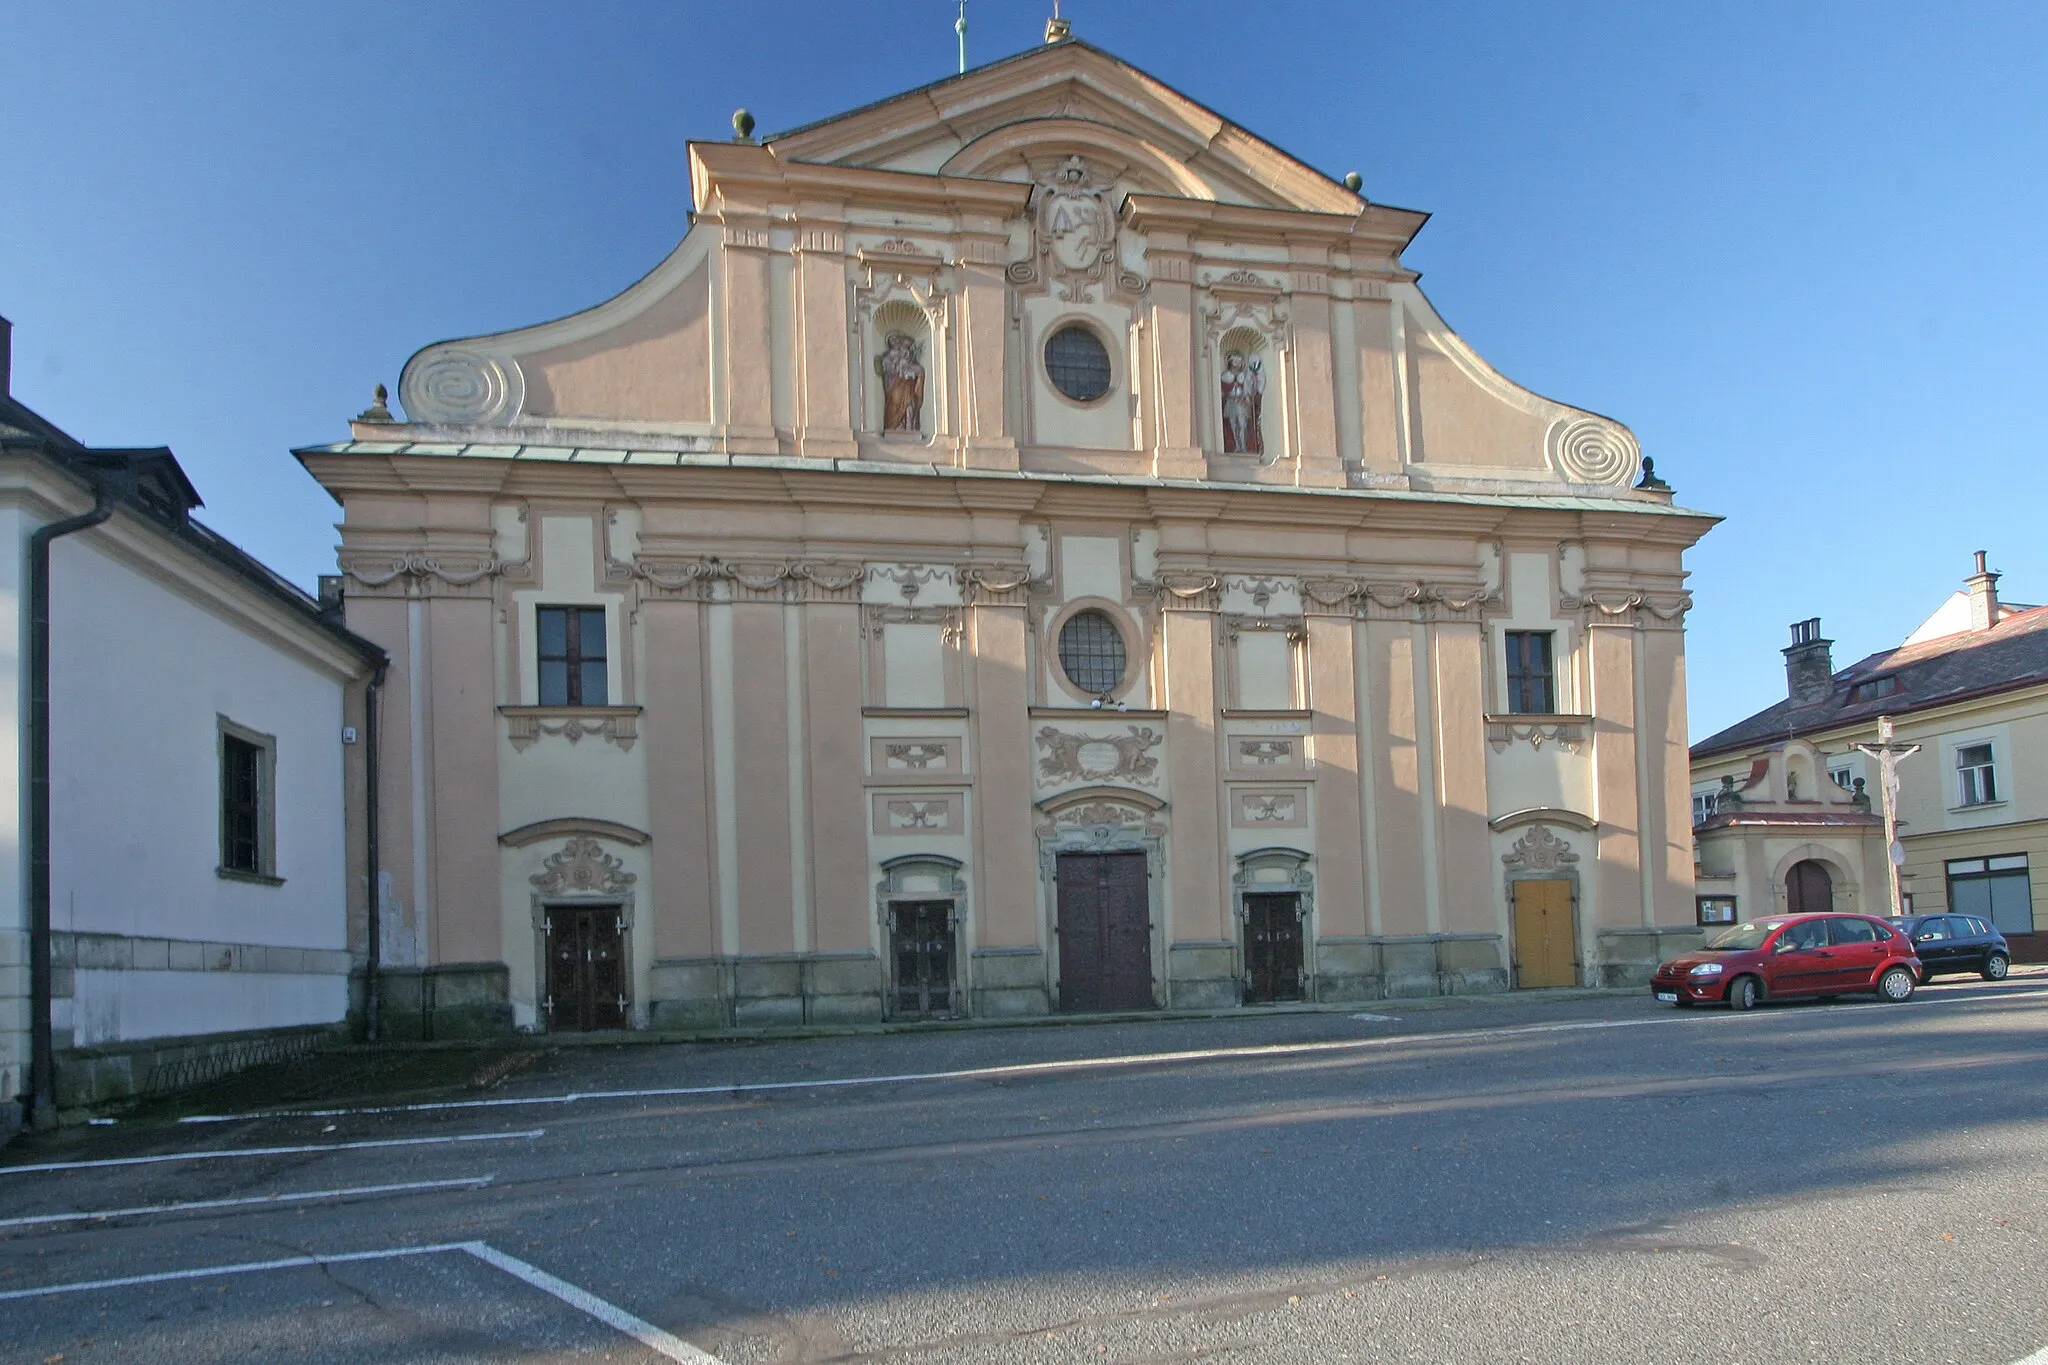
1888, 751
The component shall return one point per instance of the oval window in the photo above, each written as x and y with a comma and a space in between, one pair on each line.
1077, 363
1092, 652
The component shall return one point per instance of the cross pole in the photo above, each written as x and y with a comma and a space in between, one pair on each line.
1888, 752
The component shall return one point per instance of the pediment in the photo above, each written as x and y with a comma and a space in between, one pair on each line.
1005, 120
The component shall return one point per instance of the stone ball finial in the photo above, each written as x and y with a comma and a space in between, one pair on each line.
1650, 481
1354, 182
742, 126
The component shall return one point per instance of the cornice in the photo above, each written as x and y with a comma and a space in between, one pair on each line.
741, 176
1385, 230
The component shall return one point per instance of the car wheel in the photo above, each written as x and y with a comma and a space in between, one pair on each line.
1743, 993
1996, 966
1895, 986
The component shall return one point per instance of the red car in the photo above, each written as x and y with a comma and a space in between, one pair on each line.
1792, 955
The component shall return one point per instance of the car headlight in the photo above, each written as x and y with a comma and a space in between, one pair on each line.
1707, 969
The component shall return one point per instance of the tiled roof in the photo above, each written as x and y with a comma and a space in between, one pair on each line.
1972, 663
150, 483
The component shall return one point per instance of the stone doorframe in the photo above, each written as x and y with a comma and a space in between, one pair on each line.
1296, 878
1101, 819
945, 884
1540, 856
1845, 888
581, 875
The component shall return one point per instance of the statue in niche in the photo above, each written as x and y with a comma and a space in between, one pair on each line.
1244, 398
902, 384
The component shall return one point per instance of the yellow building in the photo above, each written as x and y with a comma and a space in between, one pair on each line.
1031, 547
1785, 805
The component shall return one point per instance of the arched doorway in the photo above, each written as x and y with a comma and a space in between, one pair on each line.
1809, 888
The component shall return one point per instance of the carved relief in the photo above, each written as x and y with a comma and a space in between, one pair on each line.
582, 868
917, 754
1076, 231
1628, 608
1590, 450
451, 386
1072, 757
1183, 590
427, 573
875, 618
1567, 732
899, 813
1263, 752
1269, 807
525, 725
712, 579
1104, 819
993, 585
1294, 627
1539, 851
909, 578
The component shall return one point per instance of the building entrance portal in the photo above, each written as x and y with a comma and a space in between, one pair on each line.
1545, 940
1272, 948
1105, 932
921, 945
1809, 888
586, 986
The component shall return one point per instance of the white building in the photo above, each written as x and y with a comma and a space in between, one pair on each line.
198, 841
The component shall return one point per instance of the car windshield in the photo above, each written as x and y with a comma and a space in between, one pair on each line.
1740, 937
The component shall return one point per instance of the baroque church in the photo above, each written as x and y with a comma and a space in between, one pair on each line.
1031, 548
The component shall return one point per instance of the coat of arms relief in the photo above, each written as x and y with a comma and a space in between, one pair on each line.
1074, 228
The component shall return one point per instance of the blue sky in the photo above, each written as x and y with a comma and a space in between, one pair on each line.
1798, 247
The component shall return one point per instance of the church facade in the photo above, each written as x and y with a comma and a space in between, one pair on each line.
1032, 547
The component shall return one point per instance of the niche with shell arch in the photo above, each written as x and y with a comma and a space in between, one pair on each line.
1245, 395
901, 379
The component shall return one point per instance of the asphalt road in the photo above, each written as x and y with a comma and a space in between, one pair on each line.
1531, 1180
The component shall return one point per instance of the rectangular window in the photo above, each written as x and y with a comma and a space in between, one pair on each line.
1716, 909
1531, 689
1842, 777
571, 655
1995, 889
247, 806
1976, 783
1703, 804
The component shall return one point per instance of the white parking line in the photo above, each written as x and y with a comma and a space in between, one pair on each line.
527, 1135
582, 1300
1053, 1068
200, 1205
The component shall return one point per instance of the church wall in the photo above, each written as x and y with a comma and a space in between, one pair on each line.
655, 368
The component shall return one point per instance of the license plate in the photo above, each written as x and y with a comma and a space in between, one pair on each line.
1668, 997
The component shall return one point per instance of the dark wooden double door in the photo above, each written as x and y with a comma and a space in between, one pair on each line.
586, 953
1272, 948
921, 950
1105, 932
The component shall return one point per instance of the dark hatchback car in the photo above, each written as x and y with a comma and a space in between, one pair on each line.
1947, 944
1792, 955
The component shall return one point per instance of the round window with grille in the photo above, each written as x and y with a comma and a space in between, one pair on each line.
1092, 652
1077, 363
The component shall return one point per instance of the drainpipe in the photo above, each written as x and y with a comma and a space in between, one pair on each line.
41, 1099
373, 966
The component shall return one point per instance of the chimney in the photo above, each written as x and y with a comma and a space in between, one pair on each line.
1983, 586
6, 357
1809, 664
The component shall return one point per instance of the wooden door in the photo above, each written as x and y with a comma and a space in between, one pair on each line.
921, 949
1545, 940
1105, 932
1809, 889
586, 986
1272, 948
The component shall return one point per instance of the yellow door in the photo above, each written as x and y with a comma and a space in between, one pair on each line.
1543, 934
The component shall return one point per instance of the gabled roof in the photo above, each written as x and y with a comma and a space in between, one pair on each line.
2010, 655
937, 126
149, 482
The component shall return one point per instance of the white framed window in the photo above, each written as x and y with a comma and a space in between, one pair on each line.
1844, 778
1703, 805
1976, 775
